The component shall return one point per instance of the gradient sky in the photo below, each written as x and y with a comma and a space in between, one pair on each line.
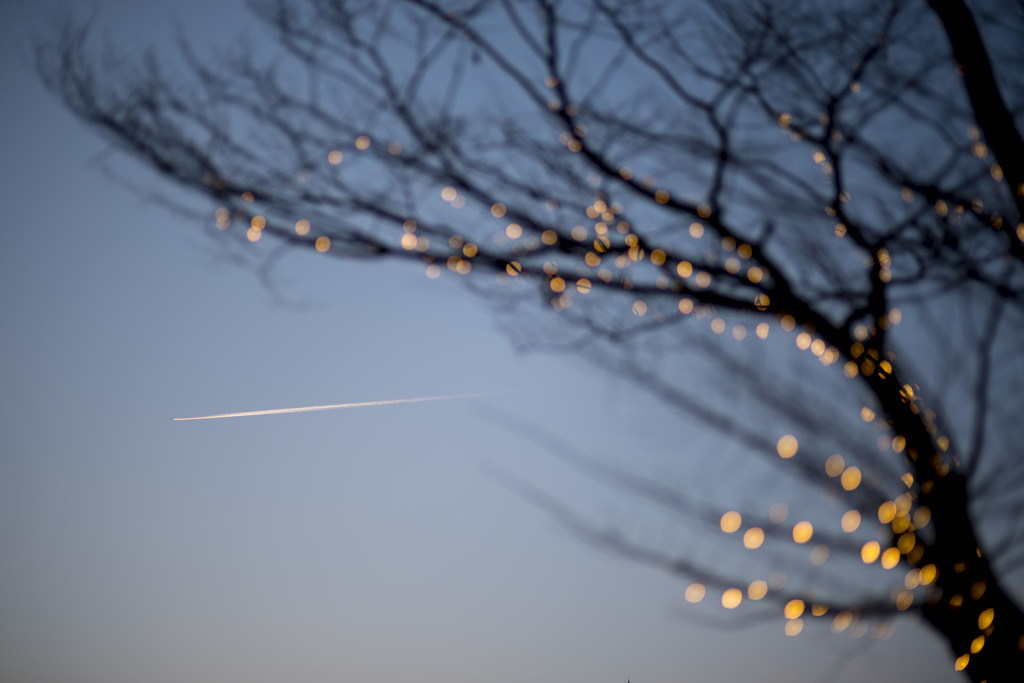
366, 544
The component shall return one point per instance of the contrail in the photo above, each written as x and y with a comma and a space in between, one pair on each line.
337, 406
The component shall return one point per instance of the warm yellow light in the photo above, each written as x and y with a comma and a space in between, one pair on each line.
731, 522
302, 227
869, 552
362, 142
732, 598
961, 662
583, 285
685, 306
793, 609
694, 592
977, 644
841, 622
890, 557
762, 330
787, 446
549, 237
794, 626
409, 241
986, 618
253, 235
684, 269
639, 307
757, 589
834, 465
323, 243
696, 230
753, 538
850, 521
557, 284
850, 478
886, 512
802, 532
498, 209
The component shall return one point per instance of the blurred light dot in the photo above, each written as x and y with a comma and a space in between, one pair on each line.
323, 243
498, 209
802, 532
753, 537
695, 592
449, 193
850, 521
850, 478
731, 521
793, 609
732, 598
302, 227
433, 271
757, 589
834, 465
639, 307
362, 142
869, 552
787, 446
334, 157
794, 626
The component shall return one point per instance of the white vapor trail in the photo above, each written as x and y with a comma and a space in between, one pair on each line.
338, 406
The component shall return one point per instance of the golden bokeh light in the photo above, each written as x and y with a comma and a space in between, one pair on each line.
890, 557
794, 627
322, 244
787, 446
850, 521
794, 609
302, 227
850, 479
886, 512
695, 592
334, 157
732, 598
834, 465
869, 552
363, 142
986, 618
802, 532
731, 522
753, 537
842, 621
757, 589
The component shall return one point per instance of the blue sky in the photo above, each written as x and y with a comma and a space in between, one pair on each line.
365, 544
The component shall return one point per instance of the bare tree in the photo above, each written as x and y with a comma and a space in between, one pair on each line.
798, 222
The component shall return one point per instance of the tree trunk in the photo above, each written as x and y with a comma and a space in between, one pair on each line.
982, 624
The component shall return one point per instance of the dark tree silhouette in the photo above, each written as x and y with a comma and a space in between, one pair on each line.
798, 222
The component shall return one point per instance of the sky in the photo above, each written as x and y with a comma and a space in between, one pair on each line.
365, 544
